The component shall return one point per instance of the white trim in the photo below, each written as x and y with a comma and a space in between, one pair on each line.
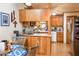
64, 29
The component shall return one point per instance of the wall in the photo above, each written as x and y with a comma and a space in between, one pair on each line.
6, 32
21, 6
65, 15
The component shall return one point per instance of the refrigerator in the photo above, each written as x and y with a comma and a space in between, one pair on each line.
76, 36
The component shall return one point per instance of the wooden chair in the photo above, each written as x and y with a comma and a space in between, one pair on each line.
32, 51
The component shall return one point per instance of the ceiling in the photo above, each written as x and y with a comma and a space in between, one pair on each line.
56, 7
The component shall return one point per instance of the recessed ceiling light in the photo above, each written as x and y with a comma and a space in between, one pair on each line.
53, 14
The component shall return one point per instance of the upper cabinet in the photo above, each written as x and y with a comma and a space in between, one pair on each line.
45, 14
34, 15
57, 20
22, 15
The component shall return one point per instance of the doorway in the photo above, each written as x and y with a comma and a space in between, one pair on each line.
69, 29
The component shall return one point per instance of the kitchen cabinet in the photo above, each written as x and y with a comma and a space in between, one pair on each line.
22, 15
43, 42
26, 15
60, 36
26, 24
57, 20
45, 14
32, 41
29, 24
34, 15
29, 14
44, 45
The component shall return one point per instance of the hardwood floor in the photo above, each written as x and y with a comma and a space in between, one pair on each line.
61, 49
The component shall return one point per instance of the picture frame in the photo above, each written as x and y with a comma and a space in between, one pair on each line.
4, 19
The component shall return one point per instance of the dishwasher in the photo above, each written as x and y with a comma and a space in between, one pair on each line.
53, 33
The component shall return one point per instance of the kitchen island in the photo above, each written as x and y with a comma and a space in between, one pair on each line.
43, 41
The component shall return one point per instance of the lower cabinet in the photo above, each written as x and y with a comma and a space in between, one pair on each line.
43, 43
60, 37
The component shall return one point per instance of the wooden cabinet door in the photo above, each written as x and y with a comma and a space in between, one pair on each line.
22, 15
45, 14
57, 20
53, 20
44, 48
36, 13
60, 37
32, 41
33, 14
47, 46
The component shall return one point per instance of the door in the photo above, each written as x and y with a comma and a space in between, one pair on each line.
69, 28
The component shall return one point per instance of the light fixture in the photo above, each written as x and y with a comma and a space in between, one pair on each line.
28, 4
53, 13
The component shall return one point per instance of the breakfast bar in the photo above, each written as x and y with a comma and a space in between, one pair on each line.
43, 41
